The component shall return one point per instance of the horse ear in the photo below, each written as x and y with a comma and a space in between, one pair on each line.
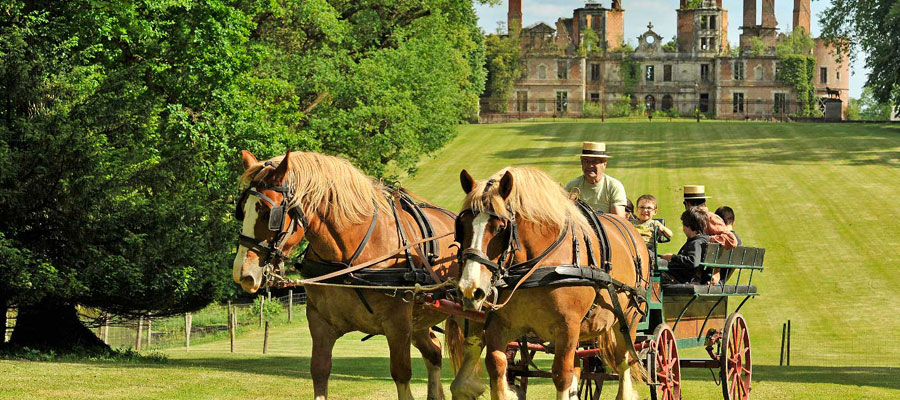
506, 185
280, 173
466, 181
248, 159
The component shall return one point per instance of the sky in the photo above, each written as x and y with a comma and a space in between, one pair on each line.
663, 16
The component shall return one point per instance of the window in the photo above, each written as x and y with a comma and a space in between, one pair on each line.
562, 69
837, 75
542, 71
595, 97
704, 102
521, 101
777, 77
667, 103
595, 72
650, 102
648, 73
667, 73
823, 75
780, 104
562, 101
704, 44
704, 22
738, 103
738, 70
758, 73
704, 72
712, 22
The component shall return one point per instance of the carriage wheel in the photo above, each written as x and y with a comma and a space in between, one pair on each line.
667, 365
590, 388
734, 356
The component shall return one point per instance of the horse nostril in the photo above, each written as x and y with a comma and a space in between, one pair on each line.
479, 295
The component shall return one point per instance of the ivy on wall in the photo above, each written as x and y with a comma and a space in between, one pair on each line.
629, 70
798, 68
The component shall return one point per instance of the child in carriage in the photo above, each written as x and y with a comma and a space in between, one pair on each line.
684, 267
644, 222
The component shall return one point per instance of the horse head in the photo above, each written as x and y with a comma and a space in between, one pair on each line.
485, 235
271, 224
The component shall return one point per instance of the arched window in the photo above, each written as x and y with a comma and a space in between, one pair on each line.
667, 103
650, 102
542, 71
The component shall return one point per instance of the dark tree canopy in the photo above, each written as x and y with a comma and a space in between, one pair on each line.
120, 125
871, 27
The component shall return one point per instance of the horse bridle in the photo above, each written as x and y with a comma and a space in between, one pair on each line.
270, 250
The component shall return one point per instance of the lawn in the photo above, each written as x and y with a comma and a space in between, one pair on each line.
821, 198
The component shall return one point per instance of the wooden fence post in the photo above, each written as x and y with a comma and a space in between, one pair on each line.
149, 332
783, 333
290, 305
266, 339
106, 329
231, 324
140, 331
187, 331
789, 344
262, 304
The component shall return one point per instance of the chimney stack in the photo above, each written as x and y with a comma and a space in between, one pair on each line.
514, 17
801, 14
749, 13
768, 14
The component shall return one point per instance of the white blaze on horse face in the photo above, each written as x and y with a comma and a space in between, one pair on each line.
249, 223
471, 278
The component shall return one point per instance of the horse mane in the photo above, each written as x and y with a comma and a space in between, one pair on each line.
535, 197
327, 186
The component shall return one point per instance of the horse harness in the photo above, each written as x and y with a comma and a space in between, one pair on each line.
528, 274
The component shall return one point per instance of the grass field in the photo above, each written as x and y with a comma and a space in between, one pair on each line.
821, 198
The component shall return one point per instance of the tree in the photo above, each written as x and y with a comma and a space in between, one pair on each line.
873, 28
503, 63
870, 109
121, 122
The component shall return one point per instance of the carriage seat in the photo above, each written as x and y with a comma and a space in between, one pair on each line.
687, 289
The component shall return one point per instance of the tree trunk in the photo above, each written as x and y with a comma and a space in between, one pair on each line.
53, 324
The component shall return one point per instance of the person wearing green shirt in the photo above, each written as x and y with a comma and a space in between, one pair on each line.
599, 190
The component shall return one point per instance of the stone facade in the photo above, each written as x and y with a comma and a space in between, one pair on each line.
698, 73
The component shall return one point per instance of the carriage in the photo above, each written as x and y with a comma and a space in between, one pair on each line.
679, 316
675, 316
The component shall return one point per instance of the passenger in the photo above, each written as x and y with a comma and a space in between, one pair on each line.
629, 210
645, 224
727, 215
684, 267
600, 191
694, 196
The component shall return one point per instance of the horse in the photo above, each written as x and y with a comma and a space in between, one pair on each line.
528, 220
349, 221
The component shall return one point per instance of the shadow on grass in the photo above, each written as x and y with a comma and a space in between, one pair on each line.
883, 377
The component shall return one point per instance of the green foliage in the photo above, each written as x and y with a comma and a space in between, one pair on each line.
629, 70
873, 29
621, 107
692, 4
80, 355
592, 110
122, 121
869, 108
590, 44
671, 46
852, 111
798, 68
797, 42
757, 47
503, 63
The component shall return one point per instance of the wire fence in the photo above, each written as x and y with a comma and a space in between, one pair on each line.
208, 324
812, 346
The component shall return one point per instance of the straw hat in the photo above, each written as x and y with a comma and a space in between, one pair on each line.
594, 149
692, 192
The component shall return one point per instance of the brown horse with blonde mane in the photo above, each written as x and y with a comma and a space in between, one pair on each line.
520, 225
349, 220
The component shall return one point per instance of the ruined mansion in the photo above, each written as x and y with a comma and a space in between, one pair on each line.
700, 72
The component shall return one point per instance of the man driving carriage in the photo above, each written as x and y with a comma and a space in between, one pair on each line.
599, 190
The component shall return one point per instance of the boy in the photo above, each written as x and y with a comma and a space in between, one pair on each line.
684, 267
646, 209
727, 215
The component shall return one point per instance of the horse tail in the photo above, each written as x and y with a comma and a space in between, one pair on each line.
455, 341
